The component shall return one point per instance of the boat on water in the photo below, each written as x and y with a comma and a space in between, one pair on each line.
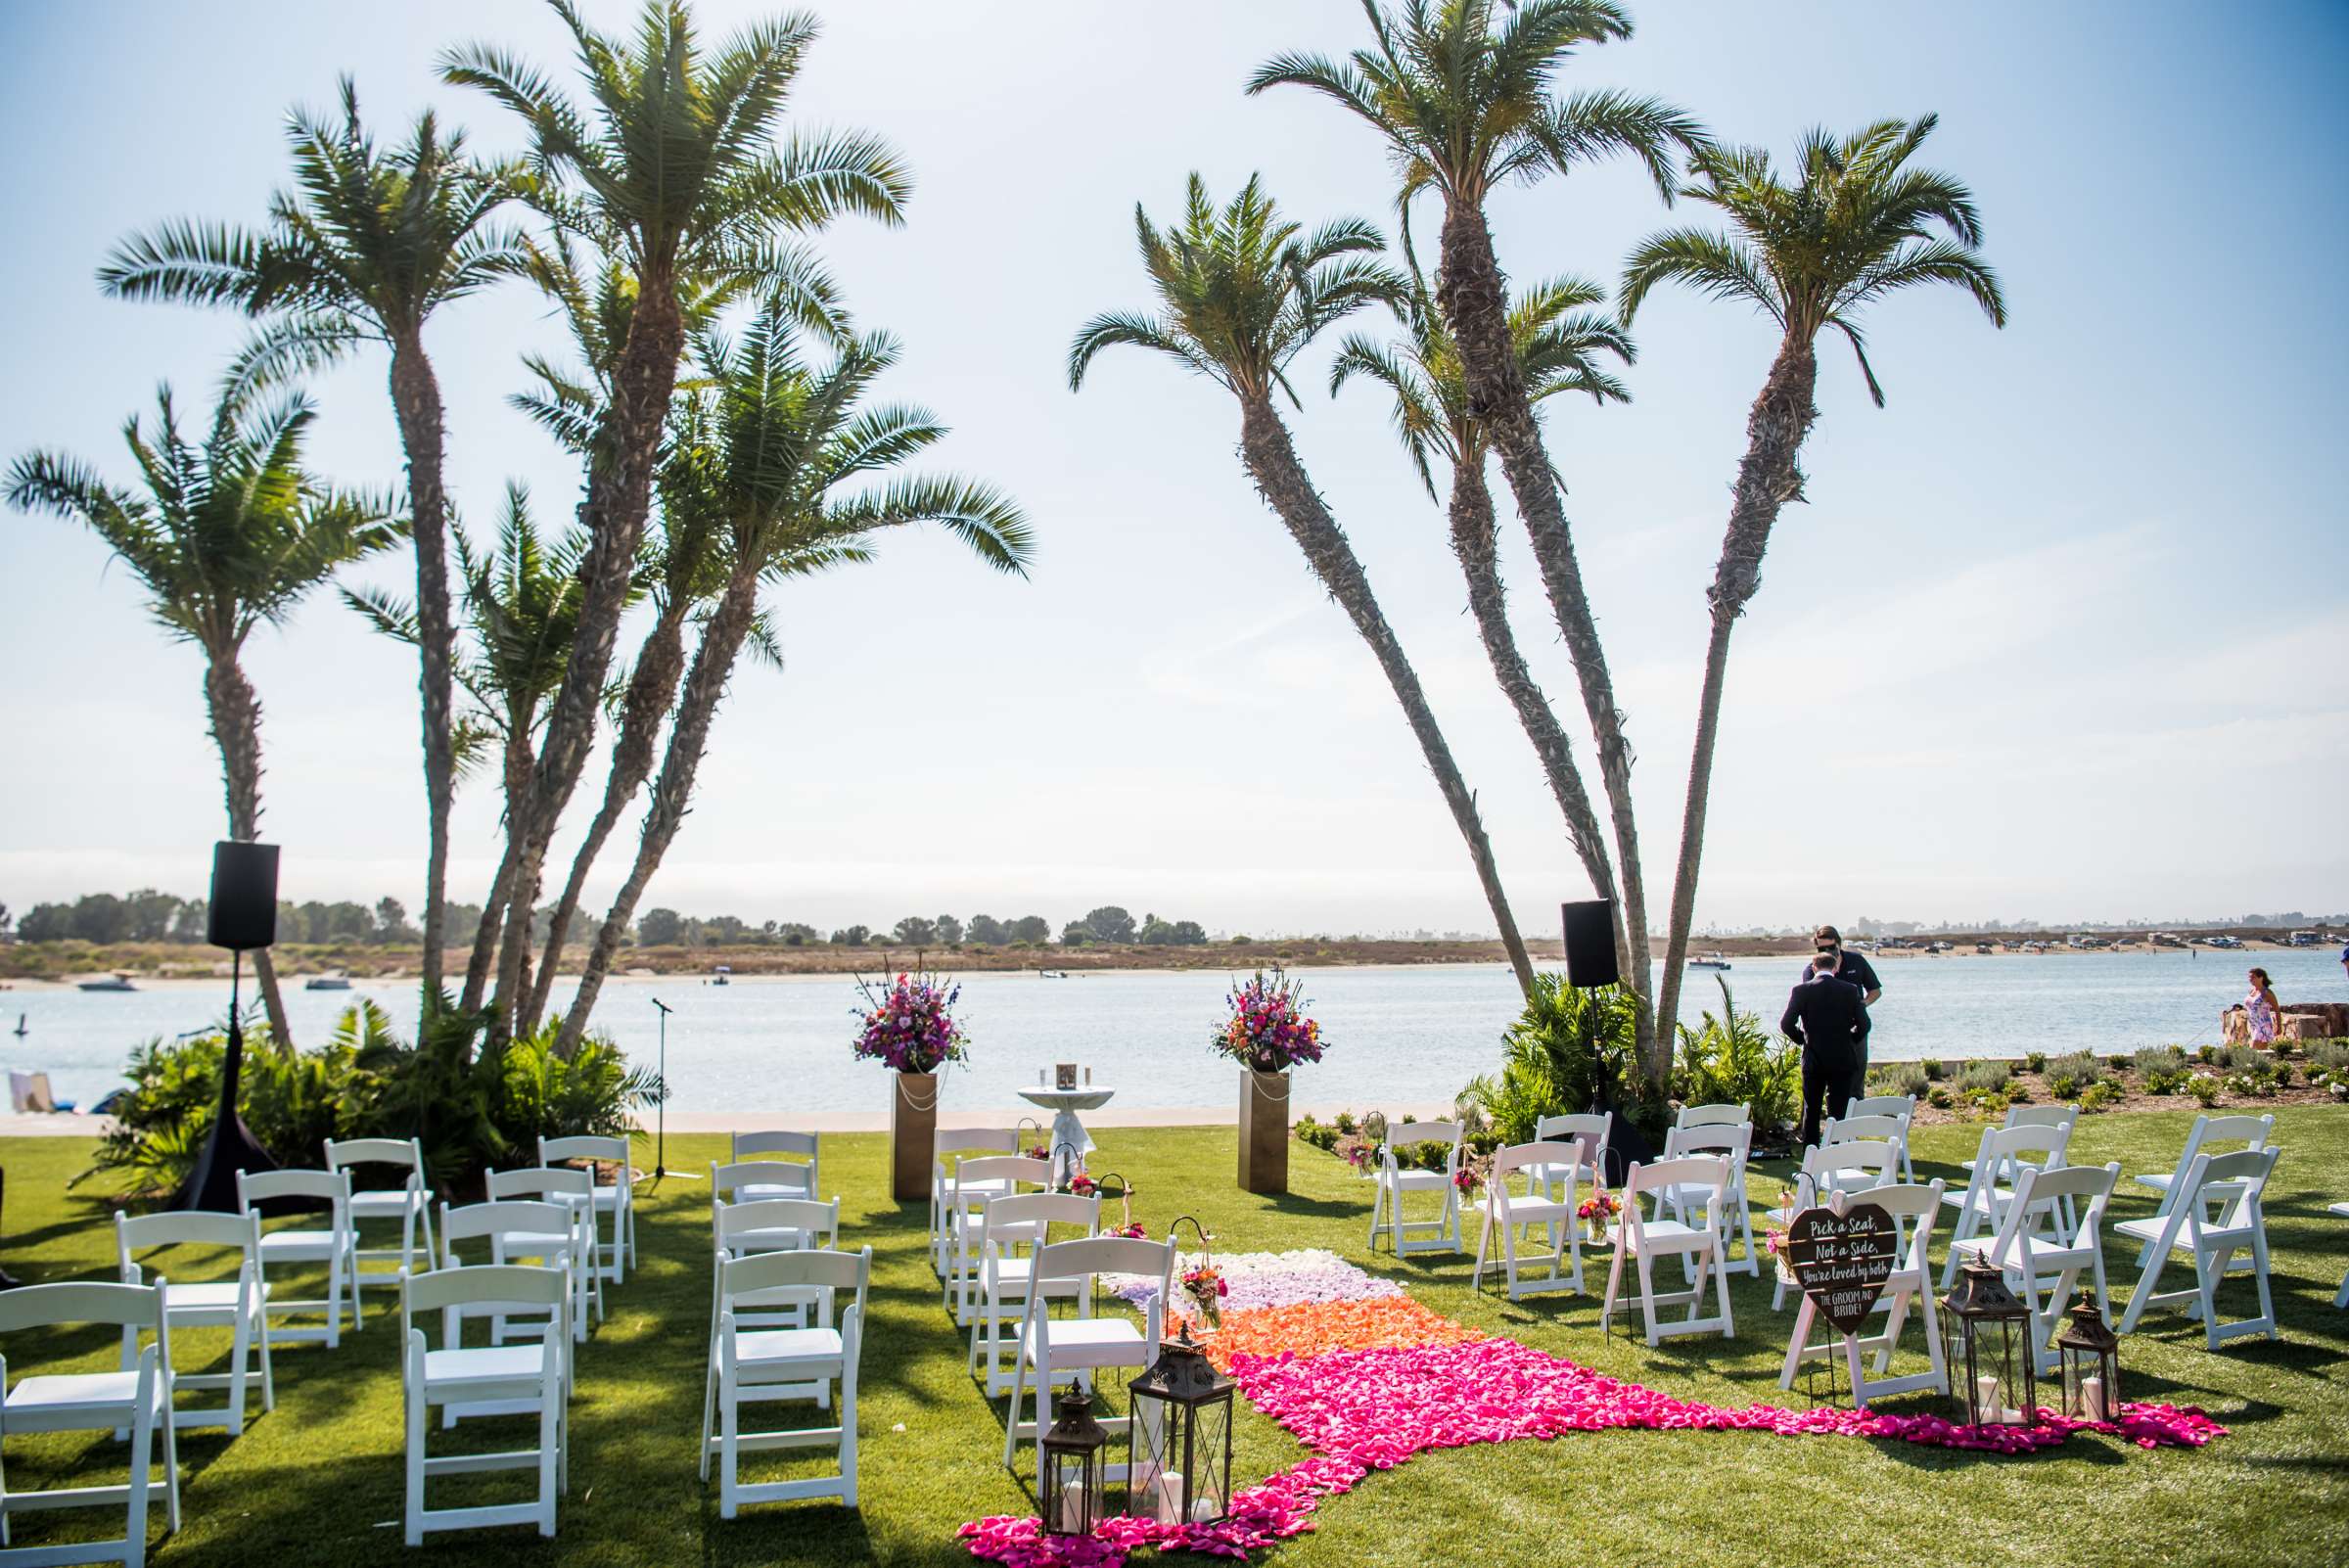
723, 975
116, 980
1709, 960
332, 980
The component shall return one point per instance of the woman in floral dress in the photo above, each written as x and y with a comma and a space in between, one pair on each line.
2262, 1010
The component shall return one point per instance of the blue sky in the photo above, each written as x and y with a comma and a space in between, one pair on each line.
2063, 632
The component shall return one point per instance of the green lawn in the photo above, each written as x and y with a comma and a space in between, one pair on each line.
320, 1479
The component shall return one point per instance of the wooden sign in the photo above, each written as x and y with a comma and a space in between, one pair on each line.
1843, 1261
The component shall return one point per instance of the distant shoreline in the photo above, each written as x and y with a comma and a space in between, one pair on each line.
53, 965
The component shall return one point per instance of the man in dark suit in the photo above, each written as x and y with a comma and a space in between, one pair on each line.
1826, 1016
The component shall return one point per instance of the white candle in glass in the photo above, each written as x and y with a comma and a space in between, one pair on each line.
1071, 1502
1170, 1497
2092, 1400
1986, 1399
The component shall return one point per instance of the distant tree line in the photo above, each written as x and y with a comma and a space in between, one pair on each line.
1108, 925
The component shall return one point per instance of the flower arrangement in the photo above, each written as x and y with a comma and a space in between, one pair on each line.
1268, 1029
908, 1025
1597, 1210
1358, 1152
1132, 1231
1206, 1287
1082, 1185
1467, 1179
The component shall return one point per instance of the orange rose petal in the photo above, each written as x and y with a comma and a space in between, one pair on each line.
1311, 1328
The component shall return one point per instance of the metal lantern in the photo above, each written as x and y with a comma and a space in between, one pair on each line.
1070, 1477
1178, 1437
2090, 1353
1987, 1348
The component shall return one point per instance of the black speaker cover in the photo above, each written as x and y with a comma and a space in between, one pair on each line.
244, 908
1590, 944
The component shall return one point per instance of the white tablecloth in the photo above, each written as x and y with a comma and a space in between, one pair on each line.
1066, 1103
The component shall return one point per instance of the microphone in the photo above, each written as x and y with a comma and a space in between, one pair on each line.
663, 1006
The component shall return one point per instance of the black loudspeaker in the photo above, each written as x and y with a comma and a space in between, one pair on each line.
1590, 944
243, 914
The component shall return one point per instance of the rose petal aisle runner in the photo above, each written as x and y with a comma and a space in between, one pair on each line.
1366, 1377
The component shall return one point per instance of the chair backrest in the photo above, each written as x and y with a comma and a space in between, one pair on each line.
538, 1180
1712, 1115
2254, 1130
947, 1141
1029, 1217
1842, 1129
2042, 1115
2037, 1192
1902, 1105
1848, 1166
500, 1216
972, 1170
331, 1187
82, 1300
1402, 1134
585, 1146
1106, 1255
728, 1178
744, 1280
2245, 1172
1910, 1204
1733, 1138
806, 1216
748, 1145
199, 1227
1681, 1170
1554, 1151
517, 1286
1565, 1128
2037, 1143
407, 1153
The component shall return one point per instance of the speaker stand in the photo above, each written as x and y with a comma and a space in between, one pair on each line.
212, 1184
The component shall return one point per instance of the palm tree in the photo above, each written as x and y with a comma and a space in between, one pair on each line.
759, 467
224, 536
1560, 339
1242, 293
1856, 224
1466, 106
674, 172
684, 571
366, 245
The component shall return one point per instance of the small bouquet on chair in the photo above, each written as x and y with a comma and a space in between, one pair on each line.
1773, 1242
1596, 1210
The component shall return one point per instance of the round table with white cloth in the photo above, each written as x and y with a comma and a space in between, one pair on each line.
1066, 1103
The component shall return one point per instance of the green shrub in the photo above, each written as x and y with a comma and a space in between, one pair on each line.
1983, 1077
2205, 1087
2332, 1056
2035, 1062
1932, 1068
2117, 1062
2098, 1097
1897, 1077
2153, 1059
1730, 1059
2165, 1079
1568, 1051
1938, 1097
2206, 1053
1345, 1122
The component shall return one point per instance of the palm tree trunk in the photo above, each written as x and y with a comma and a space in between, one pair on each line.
652, 688
237, 731
619, 491
1474, 542
673, 793
1272, 462
1768, 476
1475, 304
416, 401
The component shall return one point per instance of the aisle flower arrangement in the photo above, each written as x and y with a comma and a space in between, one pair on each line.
1268, 1029
1596, 1210
907, 1024
1206, 1288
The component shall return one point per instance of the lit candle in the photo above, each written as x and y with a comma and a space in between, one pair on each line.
2092, 1399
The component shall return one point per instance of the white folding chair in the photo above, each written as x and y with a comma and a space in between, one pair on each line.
1903, 1106
752, 1365
1394, 1180
616, 1197
1873, 1125
1592, 1130
979, 1181
796, 1174
946, 1144
1994, 1174
336, 1245
1715, 1115
2217, 1212
1910, 1284
1053, 1349
2251, 1131
1854, 1165
574, 1190
236, 1305
532, 1378
137, 1400
2340, 1298
410, 1203
1565, 1161
774, 1225
1642, 1240
1733, 1141
2027, 1257
1009, 1224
